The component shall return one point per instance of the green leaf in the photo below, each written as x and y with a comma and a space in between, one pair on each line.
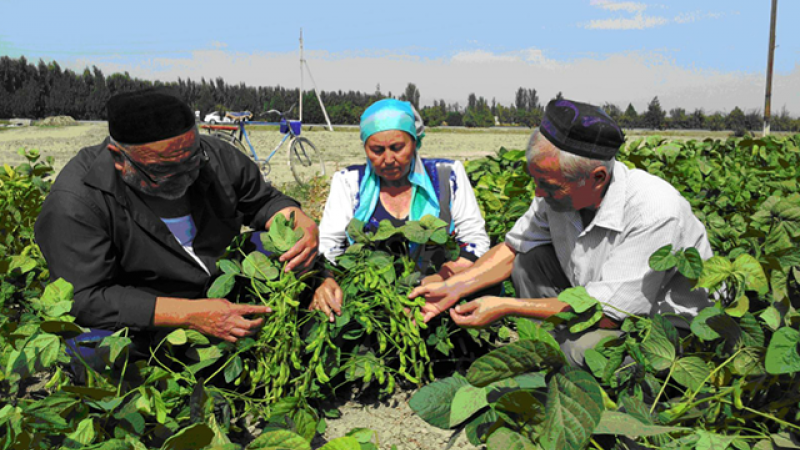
116, 344
529, 329
233, 369
362, 435
476, 429
578, 299
66, 330
663, 259
505, 439
782, 353
414, 232
257, 265
82, 436
431, 222
340, 443
385, 231
467, 401
57, 291
432, 402
621, 424
691, 372
228, 266
658, 348
690, 263
784, 440
304, 423
574, 408
222, 286
749, 362
738, 307
755, 278
715, 270
585, 320
280, 440
194, 436
355, 229
699, 326
520, 407
177, 337
281, 234
713, 441
513, 359
772, 317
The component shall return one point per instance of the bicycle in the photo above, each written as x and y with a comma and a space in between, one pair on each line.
305, 160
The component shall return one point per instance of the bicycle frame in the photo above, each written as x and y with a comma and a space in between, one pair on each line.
288, 136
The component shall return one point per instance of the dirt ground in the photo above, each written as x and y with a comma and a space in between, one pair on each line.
339, 149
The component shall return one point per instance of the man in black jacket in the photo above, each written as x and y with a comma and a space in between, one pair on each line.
137, 223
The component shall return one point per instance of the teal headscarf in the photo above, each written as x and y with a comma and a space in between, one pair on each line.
391, 114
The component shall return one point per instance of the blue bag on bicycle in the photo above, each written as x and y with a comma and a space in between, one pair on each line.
295, 124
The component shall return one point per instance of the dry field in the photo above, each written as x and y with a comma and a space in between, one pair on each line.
339, 149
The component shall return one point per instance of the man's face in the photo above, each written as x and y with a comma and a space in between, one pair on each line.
164, 168
560, 194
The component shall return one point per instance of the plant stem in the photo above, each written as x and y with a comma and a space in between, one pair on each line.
663, 387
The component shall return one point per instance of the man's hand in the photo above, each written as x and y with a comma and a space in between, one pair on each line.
481, 312
451, 268
303, 253
439, 296
328, 299
222, 319
211, 316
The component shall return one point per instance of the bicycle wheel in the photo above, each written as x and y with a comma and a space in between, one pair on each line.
305, 160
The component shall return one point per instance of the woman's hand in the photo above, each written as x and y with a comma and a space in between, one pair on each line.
304, 252
482, 311
328, 299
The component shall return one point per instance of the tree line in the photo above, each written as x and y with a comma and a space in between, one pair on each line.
45, 89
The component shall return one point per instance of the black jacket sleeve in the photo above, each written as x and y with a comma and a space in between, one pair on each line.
74, 238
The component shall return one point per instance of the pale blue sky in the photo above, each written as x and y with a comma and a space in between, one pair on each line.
700, 53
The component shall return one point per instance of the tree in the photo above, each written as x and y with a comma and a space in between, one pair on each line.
654, 117
736, 122
411, 94
630, 119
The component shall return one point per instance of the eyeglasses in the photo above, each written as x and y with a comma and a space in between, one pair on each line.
153, 178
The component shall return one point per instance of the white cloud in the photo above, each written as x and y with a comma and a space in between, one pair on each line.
530, 56
639, 22
695, 16
618, 78
630, 7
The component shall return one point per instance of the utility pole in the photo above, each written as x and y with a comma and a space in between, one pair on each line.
303, 63
768, 97
301, 74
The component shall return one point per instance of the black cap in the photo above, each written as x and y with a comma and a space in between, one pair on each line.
147, 116
582, 129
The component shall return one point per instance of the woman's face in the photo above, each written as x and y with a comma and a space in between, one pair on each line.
391, 153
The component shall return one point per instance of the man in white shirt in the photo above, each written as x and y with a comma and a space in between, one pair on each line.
594, 223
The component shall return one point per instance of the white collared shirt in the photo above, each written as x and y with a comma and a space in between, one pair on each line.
639, 214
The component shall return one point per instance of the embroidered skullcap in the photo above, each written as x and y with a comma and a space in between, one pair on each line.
582, 129
147, 116
391, 114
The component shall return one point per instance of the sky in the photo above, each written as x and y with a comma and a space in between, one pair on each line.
709, 54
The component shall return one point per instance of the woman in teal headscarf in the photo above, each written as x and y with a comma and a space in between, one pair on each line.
397, 185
